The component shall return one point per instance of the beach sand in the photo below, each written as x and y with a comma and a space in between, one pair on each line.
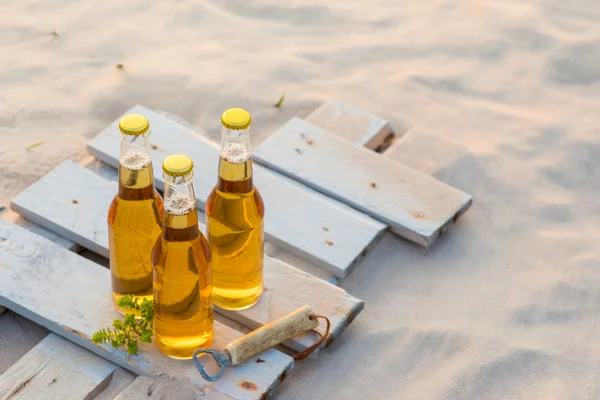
506, 305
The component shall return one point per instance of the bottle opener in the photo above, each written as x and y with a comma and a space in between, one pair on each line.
293, 324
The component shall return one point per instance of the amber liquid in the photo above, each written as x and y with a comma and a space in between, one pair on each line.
234, 222
183, 309
134, 225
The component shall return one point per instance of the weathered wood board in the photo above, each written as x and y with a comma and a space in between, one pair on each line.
16, 219
75, 204
56, 369
164, 388
297, 218
70, 296
416, 206
353, 123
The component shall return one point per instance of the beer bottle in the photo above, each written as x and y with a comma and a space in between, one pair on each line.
135, 214
234, 219
183, 308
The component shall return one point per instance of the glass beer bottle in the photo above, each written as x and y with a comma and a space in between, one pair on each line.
234, 219
134, 216
183, 308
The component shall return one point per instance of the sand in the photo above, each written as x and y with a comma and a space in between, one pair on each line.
506, 305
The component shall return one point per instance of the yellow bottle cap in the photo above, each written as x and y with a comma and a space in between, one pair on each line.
177, 165
236, 118
134, 124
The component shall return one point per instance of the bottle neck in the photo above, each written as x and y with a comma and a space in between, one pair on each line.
235, 164
135, 167
179, 202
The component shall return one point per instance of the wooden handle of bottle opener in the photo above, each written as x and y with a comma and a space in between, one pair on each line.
272, 334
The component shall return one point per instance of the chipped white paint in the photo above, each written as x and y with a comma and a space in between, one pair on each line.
70, 296
353, 123
56, 369
75, 204
415, 205
297, 218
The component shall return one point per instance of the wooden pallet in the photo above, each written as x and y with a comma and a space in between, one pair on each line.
70, 296
298, 219
75, 204
76, 230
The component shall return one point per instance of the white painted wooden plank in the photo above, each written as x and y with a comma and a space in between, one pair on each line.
416, 206
56, 369
297, 218
70, 199
437, 155
353, 123
17, 336
16, 219
75, 204
144, 388
70, 296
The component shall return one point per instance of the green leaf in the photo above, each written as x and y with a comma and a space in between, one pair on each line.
280, 101
33, 146
127, 301
121, 338
102, 336
132, 347
128, 331
146, 336
129, 320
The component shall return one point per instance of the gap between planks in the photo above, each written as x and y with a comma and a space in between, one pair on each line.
70, 296
325, 232
74, 205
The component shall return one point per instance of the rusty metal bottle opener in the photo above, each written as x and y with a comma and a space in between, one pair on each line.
293, 324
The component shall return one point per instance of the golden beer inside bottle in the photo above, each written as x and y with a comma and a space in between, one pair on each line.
235, 213
135, 220
183, 311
